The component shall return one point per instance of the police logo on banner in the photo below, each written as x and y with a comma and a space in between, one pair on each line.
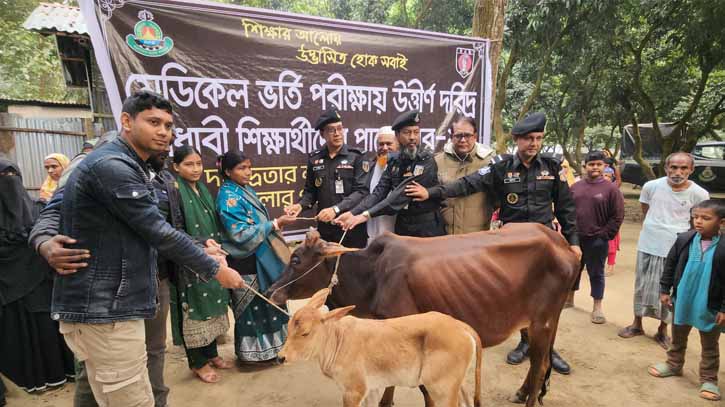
147, 38
464, 61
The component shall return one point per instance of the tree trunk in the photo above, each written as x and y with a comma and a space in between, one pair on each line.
500, 100
488, 22
637, 154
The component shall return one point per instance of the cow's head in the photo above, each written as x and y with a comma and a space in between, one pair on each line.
306, 331
307, 271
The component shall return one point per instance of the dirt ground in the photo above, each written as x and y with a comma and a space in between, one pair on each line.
606, 370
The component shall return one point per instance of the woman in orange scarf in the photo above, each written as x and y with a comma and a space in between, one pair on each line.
54, 164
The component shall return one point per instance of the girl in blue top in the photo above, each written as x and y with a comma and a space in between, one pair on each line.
695, 273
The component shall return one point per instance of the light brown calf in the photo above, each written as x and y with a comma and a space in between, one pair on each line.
365, 356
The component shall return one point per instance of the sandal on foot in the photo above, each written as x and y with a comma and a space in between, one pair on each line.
220, 363
663, 340
710, 391
630, 332
663, 370
210, 376
598, 317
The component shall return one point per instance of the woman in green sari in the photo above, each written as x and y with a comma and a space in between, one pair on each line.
198, 308
259, 329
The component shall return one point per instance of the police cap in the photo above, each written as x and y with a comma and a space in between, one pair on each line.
535, 122
409, 118
329, 116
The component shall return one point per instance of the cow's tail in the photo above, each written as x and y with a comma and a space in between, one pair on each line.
547, 378
479, 360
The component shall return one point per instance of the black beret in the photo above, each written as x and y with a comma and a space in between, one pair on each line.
535, 122
330, 116
410, 118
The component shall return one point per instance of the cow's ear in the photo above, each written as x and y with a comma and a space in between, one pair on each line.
335, 249
319, 298
337, 313
312, 237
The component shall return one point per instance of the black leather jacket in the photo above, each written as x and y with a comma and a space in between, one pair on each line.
110, 208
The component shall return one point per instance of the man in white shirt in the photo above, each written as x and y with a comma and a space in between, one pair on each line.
666, 204
385, 143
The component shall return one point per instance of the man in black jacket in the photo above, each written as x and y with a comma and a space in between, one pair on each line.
109, 207
413, 163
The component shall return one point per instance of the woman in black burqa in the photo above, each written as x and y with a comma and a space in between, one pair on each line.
32, 352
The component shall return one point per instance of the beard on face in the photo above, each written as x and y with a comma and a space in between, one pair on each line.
157, 161
410, 152
677, 180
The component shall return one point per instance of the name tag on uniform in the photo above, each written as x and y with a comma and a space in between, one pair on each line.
339, 187
511, 180
418, 170
344, 166
545, 177
318, 167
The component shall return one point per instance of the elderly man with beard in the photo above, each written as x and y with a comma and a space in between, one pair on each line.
375, 164
462, 156
414, 163
666, 204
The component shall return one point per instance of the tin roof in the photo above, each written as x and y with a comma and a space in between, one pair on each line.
38, 102
56, 17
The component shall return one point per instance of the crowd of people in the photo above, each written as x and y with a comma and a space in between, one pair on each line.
124, 236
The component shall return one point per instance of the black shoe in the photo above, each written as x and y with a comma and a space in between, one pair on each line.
517, 356
559, 364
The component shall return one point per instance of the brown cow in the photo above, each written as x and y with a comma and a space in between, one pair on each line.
497, 282
364, 356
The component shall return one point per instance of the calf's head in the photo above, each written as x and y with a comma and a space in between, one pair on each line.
307, 331
307, 271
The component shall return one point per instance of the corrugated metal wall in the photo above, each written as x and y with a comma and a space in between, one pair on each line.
31, 148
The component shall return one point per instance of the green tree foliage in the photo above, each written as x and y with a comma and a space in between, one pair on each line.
594, 66
29, 64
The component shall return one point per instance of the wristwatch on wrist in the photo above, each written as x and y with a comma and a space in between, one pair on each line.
336, 209
366, 214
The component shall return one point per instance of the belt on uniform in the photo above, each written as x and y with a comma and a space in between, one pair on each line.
419, 217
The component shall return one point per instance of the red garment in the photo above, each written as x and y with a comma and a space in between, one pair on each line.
613, 249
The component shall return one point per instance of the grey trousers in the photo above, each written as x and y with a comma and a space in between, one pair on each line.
155, 350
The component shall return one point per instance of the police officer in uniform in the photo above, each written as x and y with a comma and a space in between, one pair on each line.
525, 185
336, 182
413, 163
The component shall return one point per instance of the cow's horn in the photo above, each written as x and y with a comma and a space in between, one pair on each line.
334, 249
312, 237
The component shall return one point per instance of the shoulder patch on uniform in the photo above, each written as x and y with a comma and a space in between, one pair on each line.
501, 157
484, 170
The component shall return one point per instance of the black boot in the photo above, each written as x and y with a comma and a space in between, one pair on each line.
559, 364
520, 353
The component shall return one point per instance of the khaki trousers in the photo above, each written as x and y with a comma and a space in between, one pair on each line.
115, 359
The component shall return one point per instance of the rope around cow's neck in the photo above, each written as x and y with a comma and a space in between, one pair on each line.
333, 280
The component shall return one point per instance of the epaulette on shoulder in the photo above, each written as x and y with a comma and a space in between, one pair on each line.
500, 158
559, 158
355, 150
314, 153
